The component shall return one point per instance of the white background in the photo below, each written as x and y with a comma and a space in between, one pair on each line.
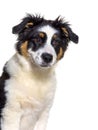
76, 102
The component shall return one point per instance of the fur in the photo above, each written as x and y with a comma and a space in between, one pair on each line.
28, 83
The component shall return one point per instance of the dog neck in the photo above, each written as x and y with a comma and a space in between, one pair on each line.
20, 64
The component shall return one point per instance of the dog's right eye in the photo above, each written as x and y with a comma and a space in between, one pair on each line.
37, 40
35, 43
33, 46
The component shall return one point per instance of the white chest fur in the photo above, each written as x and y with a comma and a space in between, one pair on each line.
27, 88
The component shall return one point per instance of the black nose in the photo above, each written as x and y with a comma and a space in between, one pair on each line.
47, 57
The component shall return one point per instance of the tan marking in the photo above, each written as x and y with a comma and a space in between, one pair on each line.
60, 53
41, 35
65, 31
54, 36
29, 24
24, 49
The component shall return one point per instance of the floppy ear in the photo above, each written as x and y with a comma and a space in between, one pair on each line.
27, 22
20, 27
70, 34
65, 28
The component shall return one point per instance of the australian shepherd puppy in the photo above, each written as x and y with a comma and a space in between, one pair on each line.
27, 84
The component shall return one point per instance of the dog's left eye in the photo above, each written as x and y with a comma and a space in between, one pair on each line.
56, 43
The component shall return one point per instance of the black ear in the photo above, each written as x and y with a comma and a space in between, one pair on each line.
69, 33
65, 29
72, 36
18, 28
27, 22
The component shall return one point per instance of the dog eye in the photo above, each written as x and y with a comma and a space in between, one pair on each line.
37, 40
56, 43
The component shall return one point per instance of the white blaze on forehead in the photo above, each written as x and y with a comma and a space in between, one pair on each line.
48, 48
49, 32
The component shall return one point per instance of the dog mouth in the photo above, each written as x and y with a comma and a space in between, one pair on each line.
41, 64
45, 65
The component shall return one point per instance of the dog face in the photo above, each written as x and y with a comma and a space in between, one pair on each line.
43, 41
43, 53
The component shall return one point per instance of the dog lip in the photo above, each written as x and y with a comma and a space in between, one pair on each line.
44, 65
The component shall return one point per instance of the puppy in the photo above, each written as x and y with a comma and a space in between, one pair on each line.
27, 84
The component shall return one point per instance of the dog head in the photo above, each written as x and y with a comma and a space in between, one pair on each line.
43, 41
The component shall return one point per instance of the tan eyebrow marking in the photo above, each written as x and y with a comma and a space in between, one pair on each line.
60, 53
24, 49
41, 35
55, 36
29, 24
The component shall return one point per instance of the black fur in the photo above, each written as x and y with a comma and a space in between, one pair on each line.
5, 76
21, 27
59, 23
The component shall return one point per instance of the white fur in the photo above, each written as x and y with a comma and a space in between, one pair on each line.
30, 93
48, 48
